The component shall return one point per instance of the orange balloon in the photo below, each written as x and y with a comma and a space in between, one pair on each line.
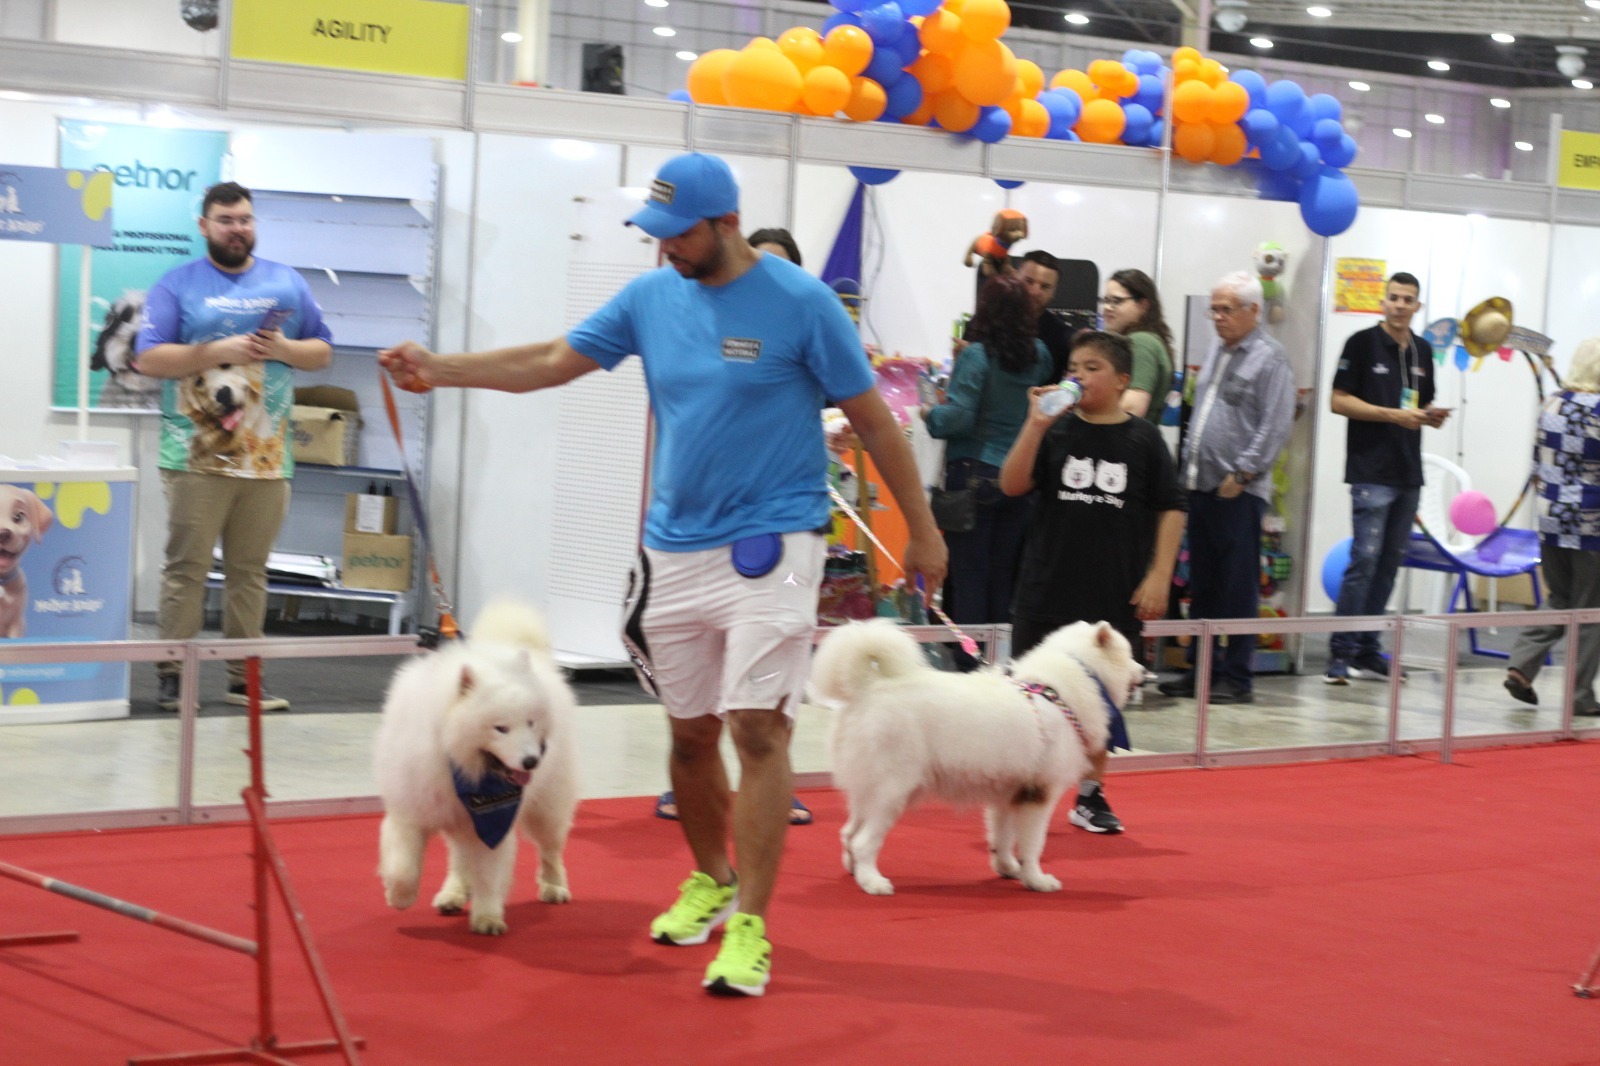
705, 76
1186, 52
922, 115
1130, 82
1211, 72
1030, 78
1185, 69
941, 32
1102, 122
955, 112
1034, 120
867, 100
935, 72
803, 46
1193, 141
984, 20
955, 7
1230, 144
760, 42
825, 89
1076, 80
1229, 102
762, 78
1191, 101
848, 48
1106, 73
986, 72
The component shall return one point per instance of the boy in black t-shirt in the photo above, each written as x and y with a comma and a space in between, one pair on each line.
1104, 534
1384, 386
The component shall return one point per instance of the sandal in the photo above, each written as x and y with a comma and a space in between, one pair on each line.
667, 806
1521, 690
799, 813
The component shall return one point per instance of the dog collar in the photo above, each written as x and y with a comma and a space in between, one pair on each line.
491, 802
1116, 728
1049, 695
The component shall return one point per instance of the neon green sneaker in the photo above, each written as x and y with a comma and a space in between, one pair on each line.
702, 906
744, 965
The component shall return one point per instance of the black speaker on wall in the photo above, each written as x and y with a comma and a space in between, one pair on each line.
602, 68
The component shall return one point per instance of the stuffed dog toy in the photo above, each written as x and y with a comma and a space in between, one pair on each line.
23, 520
994, 248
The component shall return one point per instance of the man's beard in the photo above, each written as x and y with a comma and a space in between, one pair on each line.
695, 270
225, 256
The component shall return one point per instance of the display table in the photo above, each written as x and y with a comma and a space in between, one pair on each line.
71, 582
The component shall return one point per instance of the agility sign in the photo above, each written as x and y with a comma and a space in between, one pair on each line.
417, 37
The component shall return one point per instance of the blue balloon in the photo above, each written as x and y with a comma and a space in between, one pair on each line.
1008, 183
1326, 133
884, 67
1334, 564
1253, 83
1287, 100
1064, 107
1151, 94
1309, 163
1342, 154
1324, 106
909, 46
1329, 202
924, 8
993, 124
883, 23
1158, 132
1141, 62
1283, 151
843, 18
1278, 185
1260, 126
1139, 121
851, 5
1072, 136
681, 95
874, 175
905, 96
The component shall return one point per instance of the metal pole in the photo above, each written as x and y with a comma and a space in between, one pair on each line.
265, 1030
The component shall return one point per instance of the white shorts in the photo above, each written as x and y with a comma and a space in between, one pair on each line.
705, 639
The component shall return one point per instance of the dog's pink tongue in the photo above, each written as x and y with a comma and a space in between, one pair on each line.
521, 777
231, 420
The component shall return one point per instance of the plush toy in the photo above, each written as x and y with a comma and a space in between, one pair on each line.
994, 248
1271, 260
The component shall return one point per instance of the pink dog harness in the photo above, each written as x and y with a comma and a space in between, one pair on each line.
1033, 688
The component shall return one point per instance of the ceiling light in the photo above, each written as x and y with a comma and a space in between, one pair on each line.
1437, 120
1499, 101
1523, 146
665, 31
1592, 3
1503, 38
1570, 58
1231, 16
1582, 83
686, 56
511, 37
1318, 12
655, 3
1438, 64
1261, 42
1076, 19
1360, 86
1402, 134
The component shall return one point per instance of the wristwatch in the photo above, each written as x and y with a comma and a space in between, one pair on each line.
1243, 478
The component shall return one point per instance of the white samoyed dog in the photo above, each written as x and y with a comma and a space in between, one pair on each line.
905, 731
476, 739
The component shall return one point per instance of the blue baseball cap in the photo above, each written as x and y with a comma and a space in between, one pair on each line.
687, 189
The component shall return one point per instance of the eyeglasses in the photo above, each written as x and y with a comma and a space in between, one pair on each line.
1222, 311
1111, 303
232, 222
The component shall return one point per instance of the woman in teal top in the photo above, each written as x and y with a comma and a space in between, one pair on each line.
1132, 307
983, 410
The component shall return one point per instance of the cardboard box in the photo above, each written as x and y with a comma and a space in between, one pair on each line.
366, 513
377, 561
326, 425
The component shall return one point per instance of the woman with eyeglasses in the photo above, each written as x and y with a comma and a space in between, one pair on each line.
1131, 307
983, 410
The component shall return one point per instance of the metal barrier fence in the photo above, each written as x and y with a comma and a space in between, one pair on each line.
994, 640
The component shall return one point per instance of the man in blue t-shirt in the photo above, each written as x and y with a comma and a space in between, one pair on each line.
740, 350
227, 333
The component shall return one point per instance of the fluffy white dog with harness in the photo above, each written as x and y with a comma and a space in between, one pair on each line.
905, 731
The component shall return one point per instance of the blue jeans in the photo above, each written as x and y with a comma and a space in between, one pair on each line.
1380, 521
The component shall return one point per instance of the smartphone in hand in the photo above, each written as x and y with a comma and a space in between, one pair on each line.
273, 319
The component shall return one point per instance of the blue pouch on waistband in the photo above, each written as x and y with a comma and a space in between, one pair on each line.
756, 556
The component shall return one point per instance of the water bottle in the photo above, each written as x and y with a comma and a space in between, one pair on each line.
1063, 397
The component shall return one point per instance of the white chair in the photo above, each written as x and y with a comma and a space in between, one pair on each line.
1442, 482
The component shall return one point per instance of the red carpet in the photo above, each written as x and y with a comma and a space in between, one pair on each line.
1391, 911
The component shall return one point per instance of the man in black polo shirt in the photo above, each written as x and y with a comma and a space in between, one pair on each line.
1384, 386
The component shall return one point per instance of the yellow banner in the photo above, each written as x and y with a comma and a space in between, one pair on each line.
1580, 160
1358, 286
420, 37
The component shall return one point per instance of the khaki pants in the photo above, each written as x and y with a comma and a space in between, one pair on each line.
246, 514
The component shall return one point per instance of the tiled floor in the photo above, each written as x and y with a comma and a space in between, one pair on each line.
321, 749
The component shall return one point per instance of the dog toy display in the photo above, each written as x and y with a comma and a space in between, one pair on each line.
1271, 260
992, 250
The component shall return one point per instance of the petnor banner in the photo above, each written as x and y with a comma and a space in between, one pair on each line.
420, 37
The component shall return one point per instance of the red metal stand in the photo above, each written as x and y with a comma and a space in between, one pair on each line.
269, 869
